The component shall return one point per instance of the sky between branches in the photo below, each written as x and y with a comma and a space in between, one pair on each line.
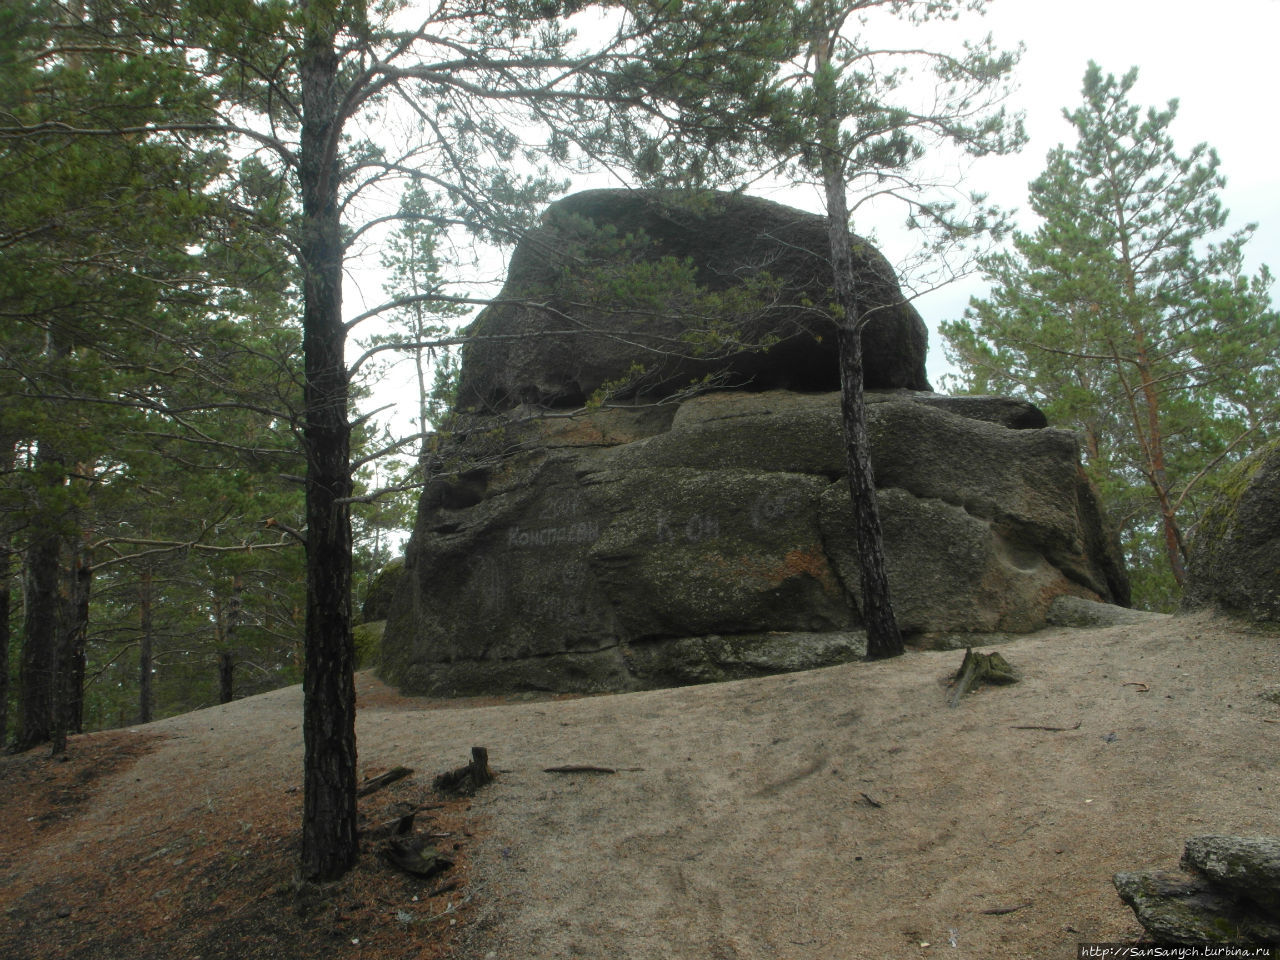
1217, 59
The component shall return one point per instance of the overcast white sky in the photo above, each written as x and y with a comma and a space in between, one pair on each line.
1217, 58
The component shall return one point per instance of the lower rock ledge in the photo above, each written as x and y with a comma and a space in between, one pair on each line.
1185, 908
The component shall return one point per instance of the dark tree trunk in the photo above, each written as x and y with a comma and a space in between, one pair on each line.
38, 700
79, 654
226, 676
72, 629
329, 839
5, 563
39, 660
227, 658
146, 646
883, 637
7, 445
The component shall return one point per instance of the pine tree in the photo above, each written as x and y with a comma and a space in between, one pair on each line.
301, 84
1127, 314
809, 90
128, 262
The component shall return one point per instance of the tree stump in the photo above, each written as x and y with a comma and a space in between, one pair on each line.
465, 781
978, 668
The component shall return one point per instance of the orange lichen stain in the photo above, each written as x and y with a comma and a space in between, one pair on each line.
807, 561
811, 562
574, 433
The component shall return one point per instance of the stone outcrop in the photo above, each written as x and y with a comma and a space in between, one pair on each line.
1228, 892
681, 535
381, 589
1235, 553
579, 309
651, 545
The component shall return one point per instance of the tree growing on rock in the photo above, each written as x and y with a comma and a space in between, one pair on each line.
811, 91
1128, 315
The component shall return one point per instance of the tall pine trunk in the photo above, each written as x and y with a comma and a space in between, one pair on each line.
329, 841
883, 636
1158, 477
226, 676
146, 645
230, 631
73, 632
6, 563
8, 457
39, 660
1147, 422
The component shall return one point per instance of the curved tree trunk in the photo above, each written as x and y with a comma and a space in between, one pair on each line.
883, 636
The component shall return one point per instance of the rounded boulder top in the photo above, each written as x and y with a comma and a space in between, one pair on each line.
645, 294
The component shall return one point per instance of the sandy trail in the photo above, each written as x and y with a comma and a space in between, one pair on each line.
839, 813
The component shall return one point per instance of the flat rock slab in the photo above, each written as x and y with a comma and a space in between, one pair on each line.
1066, 611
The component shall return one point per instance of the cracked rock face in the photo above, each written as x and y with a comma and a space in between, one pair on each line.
1249, 867
639, 547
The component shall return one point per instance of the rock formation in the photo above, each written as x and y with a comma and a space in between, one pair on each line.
672, 539
380, 591
577, 311
1228, 892
650, 546
1235, 553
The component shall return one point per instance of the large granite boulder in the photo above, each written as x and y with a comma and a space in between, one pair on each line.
579, 310
636, 547
1235, 553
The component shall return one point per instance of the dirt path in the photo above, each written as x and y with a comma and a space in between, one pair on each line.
839, 814
847, 813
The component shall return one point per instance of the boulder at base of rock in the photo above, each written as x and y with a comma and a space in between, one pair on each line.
1235, 554
631, 547
647, 291
1176, 908
1230, 894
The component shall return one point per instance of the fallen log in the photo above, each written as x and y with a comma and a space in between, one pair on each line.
383, 779
415, 856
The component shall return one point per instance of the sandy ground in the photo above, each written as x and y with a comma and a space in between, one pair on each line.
839, 813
